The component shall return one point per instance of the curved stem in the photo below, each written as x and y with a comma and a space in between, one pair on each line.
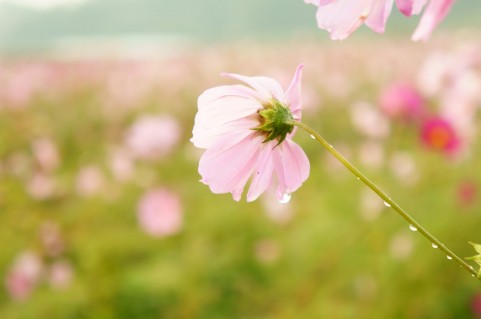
414, 225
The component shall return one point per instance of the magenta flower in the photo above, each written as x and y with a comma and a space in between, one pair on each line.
439, 134
342, 17
246, 133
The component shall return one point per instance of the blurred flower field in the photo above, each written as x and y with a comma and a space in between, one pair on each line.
102, 215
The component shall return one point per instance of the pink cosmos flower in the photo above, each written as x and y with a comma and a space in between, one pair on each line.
439, 134
160, 213
402, 101
235, 126
342, 17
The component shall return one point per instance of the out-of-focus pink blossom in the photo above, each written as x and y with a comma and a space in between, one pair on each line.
466, 193
439, 134
60, 274
41, 186
404, 167
121, 165
160, 213
267, 251
153, 137
342, 17
371, 154
476, 305
51, 238
23, 276
401, 246
402, 101
46, 154
90, 181
234, 151
369, 121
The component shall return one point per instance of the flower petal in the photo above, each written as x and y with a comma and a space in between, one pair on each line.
343, 17
434, 14
227, 165
222, 109
262, 173
379, 14
293, 93
266, 88
291, 166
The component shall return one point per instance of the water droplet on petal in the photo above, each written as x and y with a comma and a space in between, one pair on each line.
449, 257
434, 246
387, 204
313, 137
285, 198
411, 227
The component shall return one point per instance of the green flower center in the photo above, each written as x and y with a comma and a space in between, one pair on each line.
276, 121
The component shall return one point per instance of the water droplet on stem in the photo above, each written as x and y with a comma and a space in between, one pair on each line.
387, 204
411, 227
434, 246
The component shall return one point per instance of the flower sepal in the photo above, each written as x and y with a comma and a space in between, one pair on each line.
476, 258
276, 121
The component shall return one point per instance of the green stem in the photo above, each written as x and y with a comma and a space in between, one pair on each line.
388, 201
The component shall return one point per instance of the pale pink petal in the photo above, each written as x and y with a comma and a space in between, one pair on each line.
266, 88
227, 165
262, 173
204, 137
222, 109
379, 14
343, 17
319, 2
418, 6
293, 93
291, 166
434, 14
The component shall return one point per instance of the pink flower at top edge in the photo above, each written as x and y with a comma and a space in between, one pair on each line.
226, 126
439, 134
342, 17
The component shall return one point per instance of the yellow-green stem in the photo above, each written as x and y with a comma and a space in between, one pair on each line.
387, 199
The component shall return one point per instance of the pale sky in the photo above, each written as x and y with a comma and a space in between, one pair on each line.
43, 4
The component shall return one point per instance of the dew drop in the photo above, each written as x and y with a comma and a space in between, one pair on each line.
313, 137
449, 257
472, 275
387, 204
285, 198
358, 178
411, 227
434, 246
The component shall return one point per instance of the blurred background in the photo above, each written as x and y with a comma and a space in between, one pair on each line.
101, 212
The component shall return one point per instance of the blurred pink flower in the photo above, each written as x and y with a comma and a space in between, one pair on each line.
41, 186
476, 305
439, 134
60, 274
234, 151
466, 193
342, 17
51, 238
23, 276
160, 213
90, 181
402, 101
153, 137
46, 154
